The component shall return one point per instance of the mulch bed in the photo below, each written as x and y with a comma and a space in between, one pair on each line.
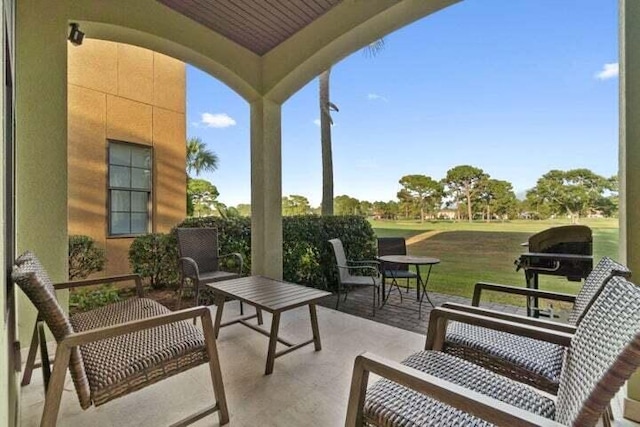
168, 298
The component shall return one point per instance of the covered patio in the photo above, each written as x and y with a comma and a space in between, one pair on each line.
307, 388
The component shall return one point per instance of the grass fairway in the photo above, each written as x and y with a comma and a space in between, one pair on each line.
485, 252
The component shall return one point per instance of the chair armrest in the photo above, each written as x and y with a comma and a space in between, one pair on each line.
480, 286
238, 256
570, 329
481, 406
101, 280
440, 316
186, 261
98, 334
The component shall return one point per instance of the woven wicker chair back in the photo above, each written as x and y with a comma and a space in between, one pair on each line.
341, 259
604, 352
201, 245
29, 274
593, 285
392, 246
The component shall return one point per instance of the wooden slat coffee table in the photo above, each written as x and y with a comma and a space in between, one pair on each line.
275, 297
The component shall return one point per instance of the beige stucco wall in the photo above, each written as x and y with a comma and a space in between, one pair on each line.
126, 93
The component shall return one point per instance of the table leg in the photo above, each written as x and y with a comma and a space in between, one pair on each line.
220, 305
418, 283
384, 283
314, 327
394, 281
424, 286
273, 340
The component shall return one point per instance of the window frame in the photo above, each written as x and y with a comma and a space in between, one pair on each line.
110, 189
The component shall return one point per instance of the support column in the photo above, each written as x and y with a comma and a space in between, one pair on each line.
266, 189
41, 142
629, 161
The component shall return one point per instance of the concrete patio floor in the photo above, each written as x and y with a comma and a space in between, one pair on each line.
307, 388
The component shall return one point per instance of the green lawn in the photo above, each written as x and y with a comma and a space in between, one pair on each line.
486, 251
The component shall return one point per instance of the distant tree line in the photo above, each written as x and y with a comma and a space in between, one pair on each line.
466, 193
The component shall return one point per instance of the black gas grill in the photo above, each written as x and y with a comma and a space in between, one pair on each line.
559, 251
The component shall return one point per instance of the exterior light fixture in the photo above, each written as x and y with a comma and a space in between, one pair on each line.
75, 35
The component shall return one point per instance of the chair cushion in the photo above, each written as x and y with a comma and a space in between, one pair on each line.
125, 363
390, 404
520, 358
399, 274
361, 281
30, 275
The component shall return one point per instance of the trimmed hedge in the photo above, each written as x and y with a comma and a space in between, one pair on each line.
308, 257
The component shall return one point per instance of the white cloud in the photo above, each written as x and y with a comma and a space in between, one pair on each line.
609, 71
218, 120
376, 97
316, 122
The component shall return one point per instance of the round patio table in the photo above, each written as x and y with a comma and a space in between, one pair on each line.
417, 261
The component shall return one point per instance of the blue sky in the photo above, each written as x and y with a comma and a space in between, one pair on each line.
516, 88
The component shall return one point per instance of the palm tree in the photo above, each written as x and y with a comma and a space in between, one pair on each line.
199, 157
326, 106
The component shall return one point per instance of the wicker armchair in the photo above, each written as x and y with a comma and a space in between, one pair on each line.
432, 388
521, 358
394, 246
370, 277
200, 259
116, 349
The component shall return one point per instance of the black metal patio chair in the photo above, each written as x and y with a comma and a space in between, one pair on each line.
200, 260
394, 246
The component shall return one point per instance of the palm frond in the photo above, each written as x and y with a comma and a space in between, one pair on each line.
372, 49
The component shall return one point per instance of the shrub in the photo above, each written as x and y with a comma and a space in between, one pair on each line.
83, 299
155, 258
85, 257
307, 255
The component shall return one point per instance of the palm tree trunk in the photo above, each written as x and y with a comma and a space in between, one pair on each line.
325, 138
469, 205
